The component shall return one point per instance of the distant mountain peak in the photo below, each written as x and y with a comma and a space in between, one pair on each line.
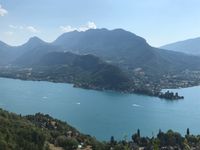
35, 39
100, 36
189, 46
34, 42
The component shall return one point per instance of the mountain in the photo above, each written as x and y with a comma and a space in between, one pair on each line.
102, 59
118, 47
8, 54
85, 71
34, 42
89, 69
126, 50
191, 46
34, 53
101, 42
112, 45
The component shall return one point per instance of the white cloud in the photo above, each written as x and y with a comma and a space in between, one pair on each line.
3, 11
67, 28
92, 25
89, 25
9, 33
32, 29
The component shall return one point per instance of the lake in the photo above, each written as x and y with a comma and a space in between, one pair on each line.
103, 114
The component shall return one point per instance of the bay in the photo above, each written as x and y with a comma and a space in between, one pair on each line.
103, 113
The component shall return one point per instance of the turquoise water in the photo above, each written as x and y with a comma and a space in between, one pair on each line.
103, 114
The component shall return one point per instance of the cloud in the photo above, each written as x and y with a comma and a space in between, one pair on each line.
3, 11
92, 25
9, 33
67, 28
89, 25
32, 29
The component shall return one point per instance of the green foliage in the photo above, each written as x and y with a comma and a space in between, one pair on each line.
35, 132
17, 133
67, 143
170, 138
156, 144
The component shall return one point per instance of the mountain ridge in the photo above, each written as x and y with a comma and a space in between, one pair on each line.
118, 47
123, 55
188, 46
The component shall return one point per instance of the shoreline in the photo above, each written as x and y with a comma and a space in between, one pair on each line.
157, 94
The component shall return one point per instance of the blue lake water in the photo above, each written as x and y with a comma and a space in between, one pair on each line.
102, 114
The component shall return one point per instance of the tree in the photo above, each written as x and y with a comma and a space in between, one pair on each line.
186, 145
112, 140
188, 131
136, 138
138, 133
156, 144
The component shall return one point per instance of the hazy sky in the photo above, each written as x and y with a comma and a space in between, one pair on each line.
158, 21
